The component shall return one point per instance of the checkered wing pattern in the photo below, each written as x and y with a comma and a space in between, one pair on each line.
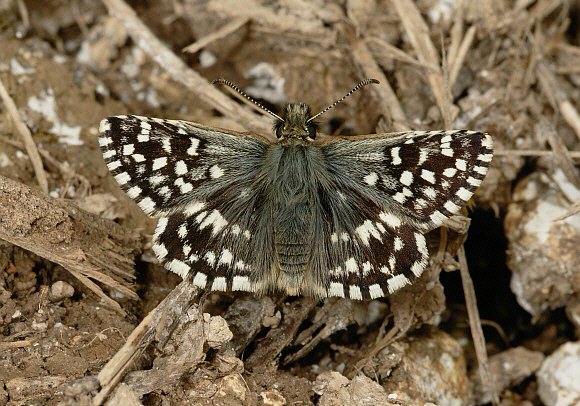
343, 218
206, 196
390, 189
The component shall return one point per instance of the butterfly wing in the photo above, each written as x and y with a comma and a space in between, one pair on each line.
202, 182
386, 191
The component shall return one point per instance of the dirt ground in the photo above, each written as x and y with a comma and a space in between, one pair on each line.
74, 283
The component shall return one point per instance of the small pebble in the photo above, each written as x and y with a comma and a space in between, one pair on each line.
60, 290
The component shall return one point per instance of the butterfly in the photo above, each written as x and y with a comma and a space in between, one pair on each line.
345, 216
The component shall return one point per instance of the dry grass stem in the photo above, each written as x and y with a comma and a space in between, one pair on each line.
26, 136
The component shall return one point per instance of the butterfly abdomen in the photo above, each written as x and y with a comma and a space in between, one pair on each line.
293, 212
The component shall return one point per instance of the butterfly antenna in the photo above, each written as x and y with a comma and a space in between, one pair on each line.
226, 82
357, 87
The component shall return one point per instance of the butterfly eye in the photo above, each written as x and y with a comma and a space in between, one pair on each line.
279, 128
312, 130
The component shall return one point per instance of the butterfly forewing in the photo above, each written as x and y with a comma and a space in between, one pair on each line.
228, 217
165, 164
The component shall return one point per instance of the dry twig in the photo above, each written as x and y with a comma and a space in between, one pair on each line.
390, 106
64, 234
475, 325
24, 133
157, 325
223, 32
418, 33
180, 72
557, 96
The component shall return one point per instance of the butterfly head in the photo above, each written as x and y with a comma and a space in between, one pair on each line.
296, 123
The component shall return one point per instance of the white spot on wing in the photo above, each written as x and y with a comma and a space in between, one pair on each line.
395, 155
350, 265
113, 165
461, 164
333, 238
406, 178
192, 150
371, 178
219, 284
128, 149
423, 155
421, 244
122, 178
161, 224
143, 137
428, 175
138, 158
186, 188
178, 267
447, 138
464, 194
397, 282
157, 179
482, 170
473, 181
180, 168
241, 283
375, 291
449, 172
487, 141
200, 280
399, 197
182, 231
226, 257
451, 207
193, 208
336, 289
437, 217
166, 145
239, 266
147, 205
210, 258
398, 244
390, 219
430, 192
165, 192
109, 154
104, 126
354, 292
159, 163
134, 192
367, 229
160, 251
104, 141
215, 219
418, 267
216, 172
